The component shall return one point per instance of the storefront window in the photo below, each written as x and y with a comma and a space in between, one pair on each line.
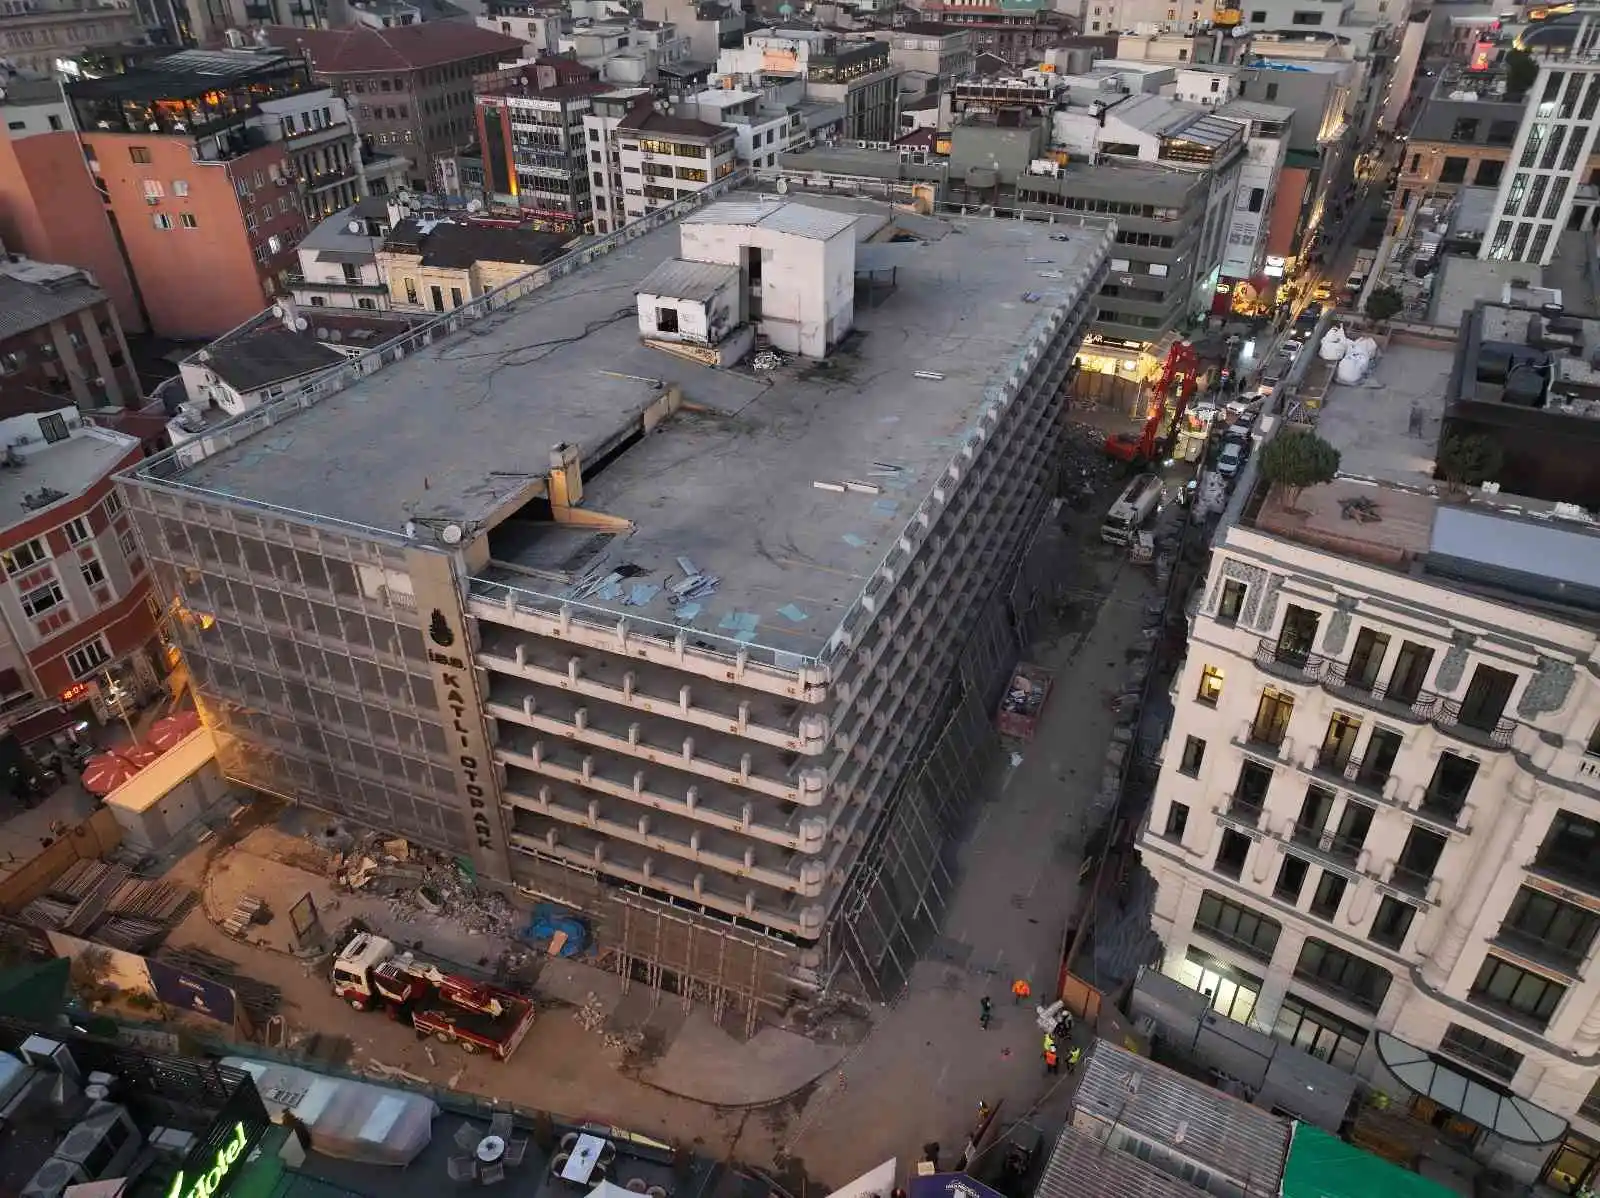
1321, 1033
1573, 1164
1232, 991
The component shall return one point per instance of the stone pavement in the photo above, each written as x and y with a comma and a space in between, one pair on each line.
920, 1075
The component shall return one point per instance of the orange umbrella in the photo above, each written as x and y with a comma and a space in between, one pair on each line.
169, 730
108, 771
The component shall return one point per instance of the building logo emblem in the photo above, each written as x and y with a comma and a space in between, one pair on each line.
439, 630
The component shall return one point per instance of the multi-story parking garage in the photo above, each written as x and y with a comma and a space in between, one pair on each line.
704, 651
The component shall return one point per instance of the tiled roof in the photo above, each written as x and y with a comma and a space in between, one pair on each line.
645, 119
35, 293
402, 48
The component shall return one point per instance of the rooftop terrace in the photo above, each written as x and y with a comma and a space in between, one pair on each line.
461, 431
63, 468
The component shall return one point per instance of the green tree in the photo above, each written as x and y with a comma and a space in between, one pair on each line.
1297, 459
1384, 303
1468, 459
1521, 71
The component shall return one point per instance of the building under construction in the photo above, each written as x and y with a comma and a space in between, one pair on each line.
673, 582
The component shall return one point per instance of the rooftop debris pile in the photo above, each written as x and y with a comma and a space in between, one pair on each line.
418, 880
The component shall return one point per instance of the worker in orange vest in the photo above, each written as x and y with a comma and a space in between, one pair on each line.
1051, 1060
1020, 990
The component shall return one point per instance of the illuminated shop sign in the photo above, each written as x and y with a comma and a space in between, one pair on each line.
213, 1180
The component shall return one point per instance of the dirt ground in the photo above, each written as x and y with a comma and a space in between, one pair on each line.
830, 1110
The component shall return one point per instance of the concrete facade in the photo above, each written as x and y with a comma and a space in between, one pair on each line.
1378, 776
711, 772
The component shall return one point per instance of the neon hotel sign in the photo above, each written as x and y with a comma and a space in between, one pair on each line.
209, 1184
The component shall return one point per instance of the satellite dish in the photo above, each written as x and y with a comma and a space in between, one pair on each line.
356, 226
474, 205
301, 324
450, 534
277, 310
204, 355
335, 335
322, 334
783, 187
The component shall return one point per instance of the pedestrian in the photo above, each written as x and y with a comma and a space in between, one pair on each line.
1073, 1057
1020, 990
985, 1011
1049, 1043
1051, 1061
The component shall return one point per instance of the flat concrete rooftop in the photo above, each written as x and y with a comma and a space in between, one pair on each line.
1387, 427
459, 429
71, 466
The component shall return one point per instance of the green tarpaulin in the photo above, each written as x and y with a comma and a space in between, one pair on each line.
1323, 1166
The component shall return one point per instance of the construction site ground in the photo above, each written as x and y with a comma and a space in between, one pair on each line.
826, 1107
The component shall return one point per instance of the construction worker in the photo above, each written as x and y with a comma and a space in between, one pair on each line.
1073, 1057
1051, 1060
1020, 990
1049, 1043
985, 1011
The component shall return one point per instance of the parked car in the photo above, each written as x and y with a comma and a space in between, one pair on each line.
1231, 460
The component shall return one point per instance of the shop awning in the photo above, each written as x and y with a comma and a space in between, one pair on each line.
1324, 1166
44, 723
1506, 1115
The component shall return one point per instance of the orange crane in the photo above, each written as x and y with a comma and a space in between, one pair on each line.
1170, 400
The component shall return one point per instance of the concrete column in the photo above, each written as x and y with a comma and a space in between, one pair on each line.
130, 374
1492, 855
102, 360
1275, 985
68, 357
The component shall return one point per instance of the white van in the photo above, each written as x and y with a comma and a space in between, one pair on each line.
1137, 503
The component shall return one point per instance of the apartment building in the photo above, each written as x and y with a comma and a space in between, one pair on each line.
439, 265
668, 158
536, 155
1461, 137
762, 129
195, 160
409, 88
78, 620
931, 57
339, 259
538, 25
50, 210
1555, 141
1016, 30
61, 339
855, 74
583, 677
1374, 828
600, 125
1244, 259
37, 35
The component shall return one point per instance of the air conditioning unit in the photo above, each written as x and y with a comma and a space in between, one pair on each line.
861, 145
152, 200
53, 1179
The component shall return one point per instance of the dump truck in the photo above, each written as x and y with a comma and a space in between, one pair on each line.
372, 974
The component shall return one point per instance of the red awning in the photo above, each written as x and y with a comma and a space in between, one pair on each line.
43, 724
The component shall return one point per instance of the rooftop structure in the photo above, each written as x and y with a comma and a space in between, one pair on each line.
191, 92
464, 243
1176, 1123
60, 341
364, 50
163, 1118
1080, 1164
550, 511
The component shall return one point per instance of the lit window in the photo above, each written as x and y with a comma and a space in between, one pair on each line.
1210, 686
21, 557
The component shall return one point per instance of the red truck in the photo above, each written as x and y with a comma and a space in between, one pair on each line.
371, 974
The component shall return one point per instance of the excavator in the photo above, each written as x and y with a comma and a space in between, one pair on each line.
1169, 400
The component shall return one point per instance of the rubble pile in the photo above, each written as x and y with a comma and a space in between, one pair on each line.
416, 881
1086, 470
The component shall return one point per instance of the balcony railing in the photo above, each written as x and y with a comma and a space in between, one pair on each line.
1336, 680
1286, 664
305, 284
1443, 808
1577, 873
1414, 882
1557, 955
1330, 844
1245, 810
1487, 733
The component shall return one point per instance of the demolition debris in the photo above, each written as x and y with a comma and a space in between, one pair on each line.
419, 881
